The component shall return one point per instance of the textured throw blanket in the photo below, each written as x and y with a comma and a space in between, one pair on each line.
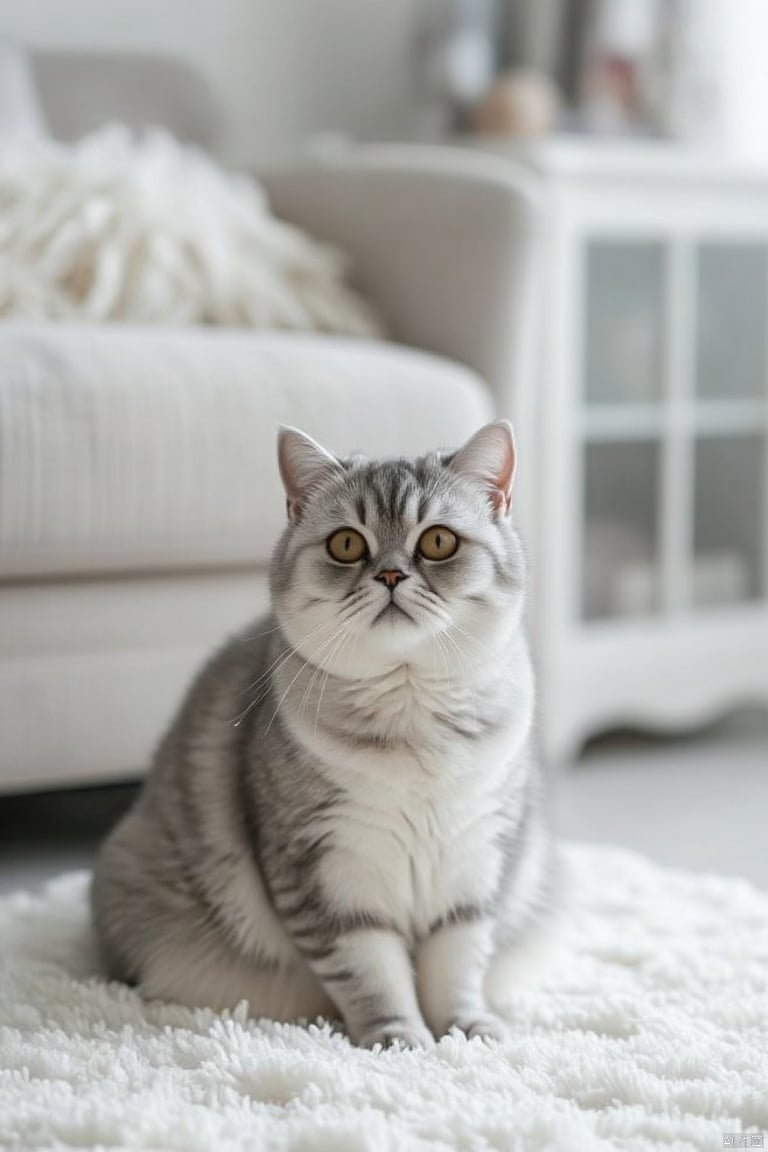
149, 231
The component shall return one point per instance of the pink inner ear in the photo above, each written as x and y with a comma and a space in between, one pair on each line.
500, 501
489, 457
303, 465
507, 473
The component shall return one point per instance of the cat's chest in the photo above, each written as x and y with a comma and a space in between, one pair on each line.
409, 853
420, 773
405, 713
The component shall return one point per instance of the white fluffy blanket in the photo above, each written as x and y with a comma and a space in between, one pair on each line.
652, 1033
152, 232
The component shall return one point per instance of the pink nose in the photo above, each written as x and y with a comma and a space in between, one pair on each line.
391, 577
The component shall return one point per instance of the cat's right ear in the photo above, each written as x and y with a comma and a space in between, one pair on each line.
304, 466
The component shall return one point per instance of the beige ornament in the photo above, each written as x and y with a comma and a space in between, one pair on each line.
521, 104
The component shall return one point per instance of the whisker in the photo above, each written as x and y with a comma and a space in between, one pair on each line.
462, 657
305, 663
342, 620
350, 613
438, 644
433, 605
337, 650
274, 667
258, 635
473, 639
287, 652
268, 631
315, 674
308, 689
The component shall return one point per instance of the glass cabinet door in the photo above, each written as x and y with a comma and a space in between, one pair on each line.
623, 340
624, 321
729, 512
731, 313
674, 433
729, 519
620, 568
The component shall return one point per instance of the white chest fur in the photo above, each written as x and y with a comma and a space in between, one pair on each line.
421, 777
410, 854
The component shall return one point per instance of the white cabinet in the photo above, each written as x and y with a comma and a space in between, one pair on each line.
645, 441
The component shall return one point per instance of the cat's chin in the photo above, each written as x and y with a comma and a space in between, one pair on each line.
393, 615
386, 645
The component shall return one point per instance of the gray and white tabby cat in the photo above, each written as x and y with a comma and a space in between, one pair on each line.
344, 818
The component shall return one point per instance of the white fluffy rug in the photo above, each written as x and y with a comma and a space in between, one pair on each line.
652, 1033
148, 231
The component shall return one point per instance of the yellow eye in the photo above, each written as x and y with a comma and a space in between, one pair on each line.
438, 543
347, 546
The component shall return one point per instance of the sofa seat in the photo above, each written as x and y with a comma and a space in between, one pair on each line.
143, 450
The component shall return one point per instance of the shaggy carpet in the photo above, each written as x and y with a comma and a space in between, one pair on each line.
650, 1032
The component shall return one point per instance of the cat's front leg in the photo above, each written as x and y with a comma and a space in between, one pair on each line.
368, 974
451, 966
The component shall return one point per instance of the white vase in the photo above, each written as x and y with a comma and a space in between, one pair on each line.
718, 83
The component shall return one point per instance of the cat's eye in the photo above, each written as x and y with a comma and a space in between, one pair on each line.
347, 546
438, 543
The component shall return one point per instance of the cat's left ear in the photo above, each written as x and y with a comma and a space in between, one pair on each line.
304, 466
489, 458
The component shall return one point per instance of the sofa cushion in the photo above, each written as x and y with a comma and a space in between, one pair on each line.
143, 449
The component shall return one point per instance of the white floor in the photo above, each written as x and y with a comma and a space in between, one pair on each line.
698, 803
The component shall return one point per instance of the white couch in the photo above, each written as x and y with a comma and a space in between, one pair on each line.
139, 496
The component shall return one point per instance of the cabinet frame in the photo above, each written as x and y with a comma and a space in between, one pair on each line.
689, 663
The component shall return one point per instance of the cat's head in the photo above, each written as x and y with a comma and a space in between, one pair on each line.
397, 561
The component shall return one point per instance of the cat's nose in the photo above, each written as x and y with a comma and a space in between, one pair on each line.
391, 577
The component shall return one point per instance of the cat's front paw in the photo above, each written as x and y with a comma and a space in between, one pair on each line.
485, 1025
403, 1035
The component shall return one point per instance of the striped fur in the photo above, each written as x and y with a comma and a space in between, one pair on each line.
344, 818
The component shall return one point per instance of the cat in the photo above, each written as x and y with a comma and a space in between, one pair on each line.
345, 820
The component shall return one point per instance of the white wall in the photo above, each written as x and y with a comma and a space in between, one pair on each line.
282, 69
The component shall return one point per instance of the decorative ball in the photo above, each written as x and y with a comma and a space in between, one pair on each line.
521, 104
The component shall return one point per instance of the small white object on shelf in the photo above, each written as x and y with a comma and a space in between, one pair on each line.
720, 578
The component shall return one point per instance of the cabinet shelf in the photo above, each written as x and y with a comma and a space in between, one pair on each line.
627, 422
729, 417
606, 422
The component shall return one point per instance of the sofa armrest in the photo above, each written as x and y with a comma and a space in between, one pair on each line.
441, 239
